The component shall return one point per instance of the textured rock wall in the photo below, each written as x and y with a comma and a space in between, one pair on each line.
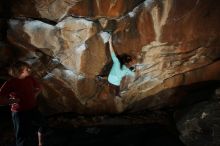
174, 42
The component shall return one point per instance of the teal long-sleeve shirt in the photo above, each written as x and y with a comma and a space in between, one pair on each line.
117, 73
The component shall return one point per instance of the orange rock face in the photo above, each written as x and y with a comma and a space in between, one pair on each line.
174, 43
103, 8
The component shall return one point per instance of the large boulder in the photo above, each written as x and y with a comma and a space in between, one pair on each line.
175, 43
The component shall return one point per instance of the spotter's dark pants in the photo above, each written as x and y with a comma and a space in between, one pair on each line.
26, 124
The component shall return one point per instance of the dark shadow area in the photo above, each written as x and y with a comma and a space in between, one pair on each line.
6, 127
5, 9
179, 97
131, 130
5, 14
136, 135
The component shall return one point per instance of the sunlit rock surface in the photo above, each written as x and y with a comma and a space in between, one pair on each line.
174, 42
56, 10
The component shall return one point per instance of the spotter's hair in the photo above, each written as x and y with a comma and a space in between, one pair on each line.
16, 68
